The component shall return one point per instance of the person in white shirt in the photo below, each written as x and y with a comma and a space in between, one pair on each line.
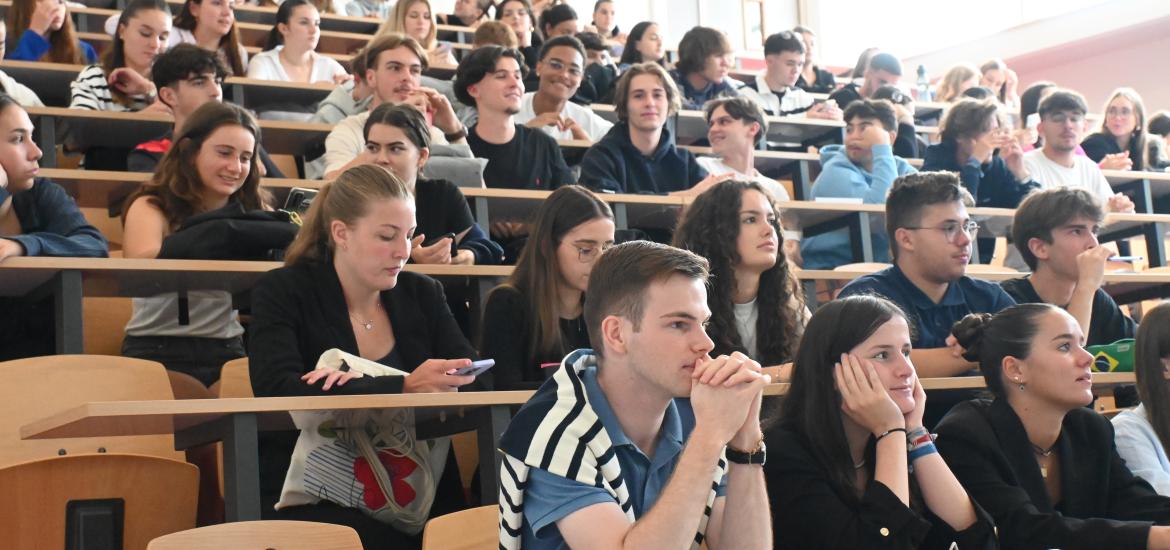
1141, 434
1062, 124
394, 66
735, 126
290, 54
561, 67
775, 89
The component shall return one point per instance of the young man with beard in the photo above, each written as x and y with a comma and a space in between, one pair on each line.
394, 67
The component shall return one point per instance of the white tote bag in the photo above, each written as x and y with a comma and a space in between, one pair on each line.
366, 459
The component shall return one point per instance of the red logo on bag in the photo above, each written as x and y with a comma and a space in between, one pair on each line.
398, 468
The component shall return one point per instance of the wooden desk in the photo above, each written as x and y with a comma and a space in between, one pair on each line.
237, 423
68, 280
125, 129
657, 211
255, 93
1145, 188
691, 126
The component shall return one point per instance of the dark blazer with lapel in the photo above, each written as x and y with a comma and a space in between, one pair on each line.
1102, 505
299, 312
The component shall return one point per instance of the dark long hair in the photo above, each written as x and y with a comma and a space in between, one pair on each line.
176, 187
230, 43
115, 56
710, 228
987, 339
537, 274
630, 54
63, 43
812, 407
283, 15
1153, 345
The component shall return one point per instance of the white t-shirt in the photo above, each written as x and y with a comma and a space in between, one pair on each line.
593, 125
1084, 174
746, 317
714, 165
266, 66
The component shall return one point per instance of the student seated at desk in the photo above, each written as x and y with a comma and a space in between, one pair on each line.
776, 89
1055, 231
813, 77
1158, 130
930, 235
1120, 144
705, 58
415, 18
864, 168
518, 15
757, 306
394, 66
343, 286
856, 466
211, 25
351, 97
536, 318
398, 139
883, 70
37, 218
518, 157
376, 9
638, 155
290, 54
958, 79
1056, 164
186, 77
651, 416
42, 30
1036, 457
1142, 433
605, 22
558, 20
977, 143
735, 127
121, 82
560, 70
24, 96
644, 45
1002, 81
212, 164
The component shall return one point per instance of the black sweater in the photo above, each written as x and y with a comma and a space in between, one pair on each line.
507, 337
1100, 144
1102, 505
808, 511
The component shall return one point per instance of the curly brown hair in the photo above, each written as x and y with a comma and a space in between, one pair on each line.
710, 228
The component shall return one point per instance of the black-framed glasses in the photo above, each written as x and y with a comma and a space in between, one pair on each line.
951, 230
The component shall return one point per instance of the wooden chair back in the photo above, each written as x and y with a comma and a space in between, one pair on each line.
39, 387
262, 535
234, 379
474, 529
158, 496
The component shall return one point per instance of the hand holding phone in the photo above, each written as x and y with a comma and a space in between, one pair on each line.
477, 368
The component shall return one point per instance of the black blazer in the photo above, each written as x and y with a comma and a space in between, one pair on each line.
1103, 504
809, 512
299, 311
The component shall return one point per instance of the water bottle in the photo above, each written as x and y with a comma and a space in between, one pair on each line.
923, 85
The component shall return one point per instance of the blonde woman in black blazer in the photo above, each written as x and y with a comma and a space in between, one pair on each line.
343, 287
1040, 462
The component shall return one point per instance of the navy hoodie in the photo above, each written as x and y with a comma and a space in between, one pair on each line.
52, 225
615, 165
991, 185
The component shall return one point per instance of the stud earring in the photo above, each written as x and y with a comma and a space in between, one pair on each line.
1021, 384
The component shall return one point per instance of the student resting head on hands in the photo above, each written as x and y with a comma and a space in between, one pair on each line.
857, 469
1036, 457
757, 308
536, 317
41, 30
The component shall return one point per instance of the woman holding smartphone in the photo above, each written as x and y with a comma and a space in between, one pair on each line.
343, 286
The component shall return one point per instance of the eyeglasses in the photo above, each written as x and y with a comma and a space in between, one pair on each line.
586, 254
951, 230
